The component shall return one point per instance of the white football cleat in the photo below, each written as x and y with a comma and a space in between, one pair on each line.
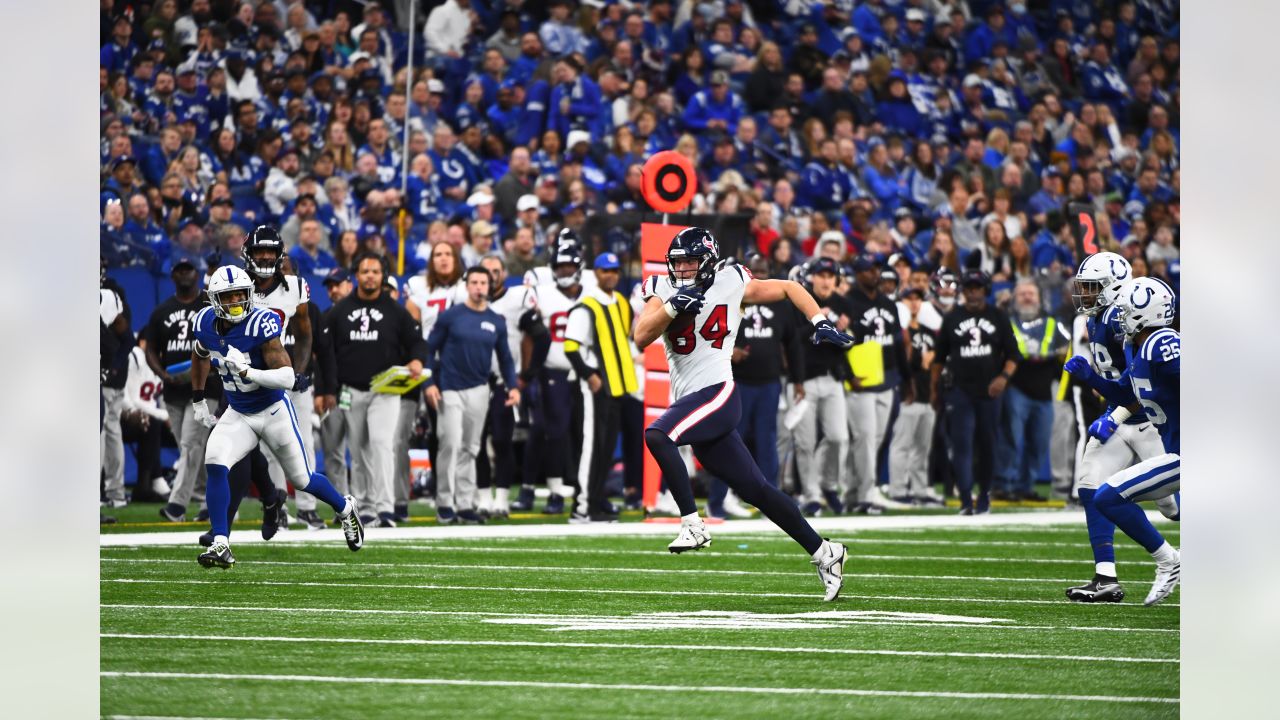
666, 505
875, 497
1166, 580
831, 569
693, 536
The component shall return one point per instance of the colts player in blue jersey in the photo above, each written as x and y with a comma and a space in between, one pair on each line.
243, 344
1136, 440
1153, 353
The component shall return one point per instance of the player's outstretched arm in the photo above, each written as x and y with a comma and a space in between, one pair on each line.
302, 337
762, 292
653, 321
279, 374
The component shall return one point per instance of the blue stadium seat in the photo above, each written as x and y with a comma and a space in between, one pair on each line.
139, 291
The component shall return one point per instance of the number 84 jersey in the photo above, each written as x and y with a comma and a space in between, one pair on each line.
700, 349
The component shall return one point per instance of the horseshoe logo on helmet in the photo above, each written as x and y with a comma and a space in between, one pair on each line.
1133, 297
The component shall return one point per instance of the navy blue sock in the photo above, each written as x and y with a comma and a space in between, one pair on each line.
217, 495
1129, 517
1102, 532
323, 489
673, 470
727, 457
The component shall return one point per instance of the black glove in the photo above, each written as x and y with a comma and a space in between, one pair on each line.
301, 382
688, 300
825, 331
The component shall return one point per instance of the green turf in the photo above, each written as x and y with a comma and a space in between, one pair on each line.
456, 593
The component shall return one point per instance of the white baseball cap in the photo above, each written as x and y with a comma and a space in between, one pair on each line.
577, 136
527, 202
480, 197
435, 85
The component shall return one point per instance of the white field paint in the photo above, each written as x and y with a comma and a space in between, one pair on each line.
666, 689
1020, 521
638, 646
355, 565
472, 613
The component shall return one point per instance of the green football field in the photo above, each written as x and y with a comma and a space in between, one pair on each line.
962, 621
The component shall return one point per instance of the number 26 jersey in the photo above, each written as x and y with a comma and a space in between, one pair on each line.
700, 351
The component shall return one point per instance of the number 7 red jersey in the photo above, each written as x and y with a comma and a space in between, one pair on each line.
700, 352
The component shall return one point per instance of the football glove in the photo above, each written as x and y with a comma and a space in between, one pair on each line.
825, 331
202, 414
1078, 367
1103, 428
688, 300
233, 361
301, 382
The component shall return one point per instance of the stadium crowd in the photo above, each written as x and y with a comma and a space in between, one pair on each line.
887, 153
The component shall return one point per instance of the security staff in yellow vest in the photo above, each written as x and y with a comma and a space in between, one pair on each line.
1023, 452
597, 345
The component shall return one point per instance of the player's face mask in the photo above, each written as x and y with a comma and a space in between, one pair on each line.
232, 305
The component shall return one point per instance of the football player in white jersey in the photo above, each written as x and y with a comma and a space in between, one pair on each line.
518, 306
559, 401
696, 309
287, 296
427, 296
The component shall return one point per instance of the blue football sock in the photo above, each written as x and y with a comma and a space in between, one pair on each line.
323, 489
217, 495
1102, 532
1129, 517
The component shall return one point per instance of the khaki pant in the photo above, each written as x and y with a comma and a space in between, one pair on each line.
868, 414
462, 416
909, 450
819, 463
191, 434
371, 430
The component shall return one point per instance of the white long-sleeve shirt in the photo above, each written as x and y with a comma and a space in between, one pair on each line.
447, 28
143, 387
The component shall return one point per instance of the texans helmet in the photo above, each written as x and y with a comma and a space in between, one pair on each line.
567, 254
263, 237
698, 244
568, 238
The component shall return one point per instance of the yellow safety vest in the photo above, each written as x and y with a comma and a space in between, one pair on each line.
613, 326
1045, 343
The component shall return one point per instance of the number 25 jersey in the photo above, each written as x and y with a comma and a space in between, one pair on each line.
700, 352
1155, 370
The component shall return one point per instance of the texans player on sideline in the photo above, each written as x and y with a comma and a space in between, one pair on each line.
1149, 386
243, 343
1136, 440
696, 310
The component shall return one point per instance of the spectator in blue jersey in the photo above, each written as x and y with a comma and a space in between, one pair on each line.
309, 260
140, 226
717, 108
1103, 82
982, 39
881, 180
1049, 198
920, 190
897, 112
821, 185
575, 99
116, 55
558, 34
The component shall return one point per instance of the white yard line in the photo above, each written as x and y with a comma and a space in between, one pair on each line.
473, 613
356, 565
1020, 521
640, 646
636, 687
601, 591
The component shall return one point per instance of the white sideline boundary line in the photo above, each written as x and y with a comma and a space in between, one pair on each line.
637, 687
641, 646
1042, 520
584, 591
471, 613
592, 569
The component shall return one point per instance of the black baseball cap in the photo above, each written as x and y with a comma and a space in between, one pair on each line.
866, 261
337, 275
824, 264
975, 277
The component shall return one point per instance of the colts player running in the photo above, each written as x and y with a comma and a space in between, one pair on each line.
1154, 356
696, 310
243, 343
1134, 441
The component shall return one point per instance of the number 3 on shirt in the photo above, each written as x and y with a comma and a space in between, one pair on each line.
714, 331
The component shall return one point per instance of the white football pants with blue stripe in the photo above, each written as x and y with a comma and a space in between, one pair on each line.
1154, 479
236, 434
1130, 444
303, 408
